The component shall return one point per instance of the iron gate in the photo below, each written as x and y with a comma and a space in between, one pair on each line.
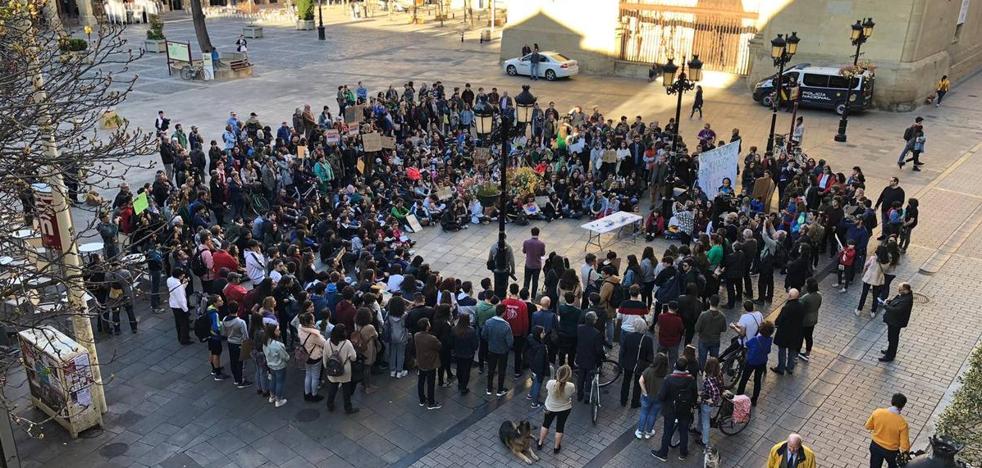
719, 31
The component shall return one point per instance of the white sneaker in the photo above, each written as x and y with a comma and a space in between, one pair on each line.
404, 373
272, 399
393, 374
648, 435
857, 312
638, 434
835, 285
280, 403
842, 290
872, 315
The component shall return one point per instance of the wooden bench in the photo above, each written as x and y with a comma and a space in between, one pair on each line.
237, 65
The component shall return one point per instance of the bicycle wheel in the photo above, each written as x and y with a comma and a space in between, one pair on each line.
728, 426
610, 370
187, 73
732, 369
595, 401
259, 204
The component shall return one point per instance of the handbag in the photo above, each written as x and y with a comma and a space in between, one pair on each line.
245, 349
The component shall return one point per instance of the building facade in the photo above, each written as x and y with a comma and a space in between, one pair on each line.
914, 43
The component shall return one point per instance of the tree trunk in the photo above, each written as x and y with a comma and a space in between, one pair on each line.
200, 29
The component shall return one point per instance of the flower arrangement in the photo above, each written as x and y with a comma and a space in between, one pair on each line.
523, 181
850, 71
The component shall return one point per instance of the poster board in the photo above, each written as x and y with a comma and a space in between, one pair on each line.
372, 142
301, 151
717, 164
353, 131
332, 136
388, 142
354, 113
141, 203
413, 223
179, 51
360, 165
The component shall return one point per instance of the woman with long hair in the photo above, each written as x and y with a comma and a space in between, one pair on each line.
442, 331
276, 359
647, 279
650, 383
710, 396
313, 343
463, 345
570, 282
632, 275
873, 278
367, 337
890, 269
340, 347
559, 403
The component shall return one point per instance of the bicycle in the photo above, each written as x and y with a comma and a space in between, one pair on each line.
722, 420
732, 362
258, 202
192, 72
608, 372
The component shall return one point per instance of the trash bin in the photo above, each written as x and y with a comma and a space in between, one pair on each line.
485, 36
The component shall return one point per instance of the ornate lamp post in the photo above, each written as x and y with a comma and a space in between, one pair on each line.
320, 16
677, 82
860, 33
524, 103
781, 51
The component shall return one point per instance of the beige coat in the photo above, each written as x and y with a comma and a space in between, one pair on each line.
347, 354
312, 340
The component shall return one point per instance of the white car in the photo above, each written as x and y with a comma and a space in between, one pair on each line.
552, 65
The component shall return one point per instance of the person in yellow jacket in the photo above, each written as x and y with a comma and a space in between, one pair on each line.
791, 454
942, 89
890, 433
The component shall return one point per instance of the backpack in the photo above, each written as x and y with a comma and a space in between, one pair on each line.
682, 401
592, 286
334, 366
671, 290
617, 295
358, 341
198, 266
202, 327
908, 133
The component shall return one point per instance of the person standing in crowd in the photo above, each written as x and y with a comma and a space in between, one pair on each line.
636, 351
235, 331
710, 397
215, 304
670, 331
427, 360
559, 403
517, 316
396, 337
534, 249
538, 363
896, 315
121, 296
589, 352
650, 383
276, 359
791, 453
910, 222
496, 332
502, 272
873, 279
941, 89
178, 301
789, 333
569, 319
463, 344
678, 395
812, 302
890, 433
710, 326
891, 193
758, 348
340, 350
313, 343
611, 294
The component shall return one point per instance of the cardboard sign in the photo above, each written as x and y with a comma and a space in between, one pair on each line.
413, 223
610, 156
140, 203
332, 136
372, 142
352, 132
301, 151
354, 113
444, 193
360, 165
388, 142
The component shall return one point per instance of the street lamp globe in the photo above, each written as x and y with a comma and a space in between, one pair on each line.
793, 43
856, 32
668, 73
695, 69
868, 28
777, 46
523, 105
484, 117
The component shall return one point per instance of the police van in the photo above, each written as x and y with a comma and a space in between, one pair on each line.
820, 87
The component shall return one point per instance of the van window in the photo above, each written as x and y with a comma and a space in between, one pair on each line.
791, 77
836, 81
816, 81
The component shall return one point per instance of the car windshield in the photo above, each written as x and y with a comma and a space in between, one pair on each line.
557, 57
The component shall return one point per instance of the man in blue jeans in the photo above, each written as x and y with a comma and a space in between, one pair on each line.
709, 326
534, 63
677, 395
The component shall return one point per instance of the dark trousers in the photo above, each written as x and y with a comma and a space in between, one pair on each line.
183, 324
807, 333
129, 315
629, 380
646, 290
583, 383
748, 285
734, 291
500, 284
426, 381
518, 347
463, 372
765, 284
531, 276
155, 277
877, 455
482, 354
445, 364
567, 350
866, 290
235, 361
347, 389
758, 372
671, 425
893, 340
497, 363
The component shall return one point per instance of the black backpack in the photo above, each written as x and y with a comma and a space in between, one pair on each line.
683, 400
198, 266
617, 295
908, 133
671, 290
202, 327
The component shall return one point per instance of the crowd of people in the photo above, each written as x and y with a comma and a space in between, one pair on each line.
293, 246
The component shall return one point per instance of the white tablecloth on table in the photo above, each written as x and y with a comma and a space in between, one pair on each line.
611, 222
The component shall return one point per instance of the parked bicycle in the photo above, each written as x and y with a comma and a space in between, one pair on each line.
192, 72
608, 372
722, 420
732, 362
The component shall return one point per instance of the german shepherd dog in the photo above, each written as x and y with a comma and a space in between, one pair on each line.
518, 439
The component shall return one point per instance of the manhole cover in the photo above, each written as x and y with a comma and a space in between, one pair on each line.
921, 298
114, 449
307, 415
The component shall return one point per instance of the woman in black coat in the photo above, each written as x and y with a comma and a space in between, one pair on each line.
463, 343
789, 335
538, 362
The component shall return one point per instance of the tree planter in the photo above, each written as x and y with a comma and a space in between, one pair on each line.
252, 31
488, 200
157, 46
305, 25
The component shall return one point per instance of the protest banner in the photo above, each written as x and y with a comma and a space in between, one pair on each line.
716, 164
372, 142
332, 136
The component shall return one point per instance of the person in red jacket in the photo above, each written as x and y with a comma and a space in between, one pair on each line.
225, 259
846, 271
516, 314
235, 292
670, 331
345, 310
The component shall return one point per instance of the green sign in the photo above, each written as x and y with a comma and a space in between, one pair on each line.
140, 203
179, 51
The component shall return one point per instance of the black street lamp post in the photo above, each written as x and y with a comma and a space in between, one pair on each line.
677, 82
860, 33
781, 51
320, 15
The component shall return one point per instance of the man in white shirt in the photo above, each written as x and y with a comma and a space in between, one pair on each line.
749, 322
255, 263
395, 279
276, 271
588, 275
178, 301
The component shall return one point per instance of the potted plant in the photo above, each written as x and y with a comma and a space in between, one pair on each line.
111, 120
487, 193
155, 42
305, 15
71, 48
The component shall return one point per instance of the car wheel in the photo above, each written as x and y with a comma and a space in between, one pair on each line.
550, 75
511, 70
840, 108
766, 101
